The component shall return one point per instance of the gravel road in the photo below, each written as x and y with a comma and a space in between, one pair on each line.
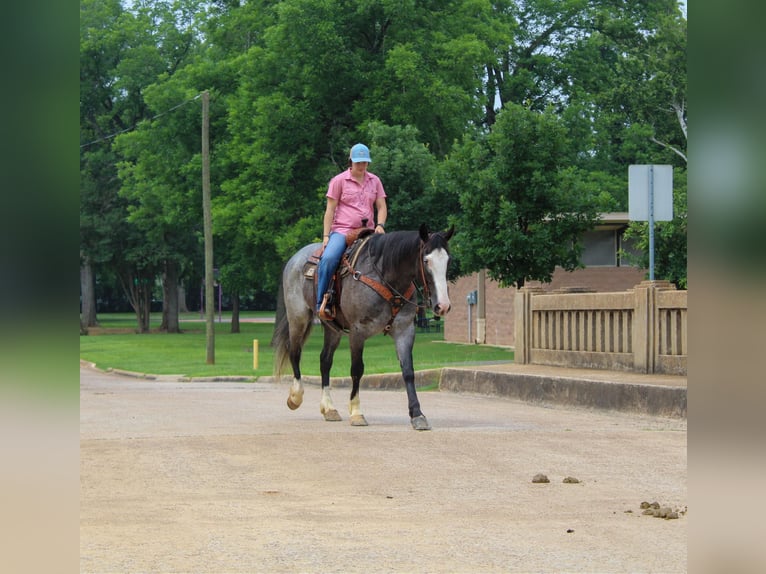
222, 477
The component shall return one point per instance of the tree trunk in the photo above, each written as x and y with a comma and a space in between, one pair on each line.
170, 322
182, 307
88, 316
139, 292
143, 298
235, 313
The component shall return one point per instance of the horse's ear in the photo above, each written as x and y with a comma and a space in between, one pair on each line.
424, 233
449, 232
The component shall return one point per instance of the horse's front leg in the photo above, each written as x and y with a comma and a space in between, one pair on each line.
404, 342
331, 342
357, 370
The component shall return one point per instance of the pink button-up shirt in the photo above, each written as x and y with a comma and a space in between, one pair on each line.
355, 202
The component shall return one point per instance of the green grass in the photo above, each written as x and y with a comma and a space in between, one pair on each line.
115, 345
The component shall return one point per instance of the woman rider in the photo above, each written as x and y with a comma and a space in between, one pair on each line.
353, 196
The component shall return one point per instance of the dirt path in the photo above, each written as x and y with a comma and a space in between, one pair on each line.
222, 477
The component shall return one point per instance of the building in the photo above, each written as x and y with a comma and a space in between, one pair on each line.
491, 319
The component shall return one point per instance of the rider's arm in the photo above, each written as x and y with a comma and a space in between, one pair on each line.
380, 203
329, 216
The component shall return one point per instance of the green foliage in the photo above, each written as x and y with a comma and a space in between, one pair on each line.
524, 114
408, 170
522, 212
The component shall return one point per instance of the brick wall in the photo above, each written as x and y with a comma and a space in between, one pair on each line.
500, 322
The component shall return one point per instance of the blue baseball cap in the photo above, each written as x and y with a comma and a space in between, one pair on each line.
360, 152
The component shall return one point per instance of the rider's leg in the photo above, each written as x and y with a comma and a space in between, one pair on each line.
333, 251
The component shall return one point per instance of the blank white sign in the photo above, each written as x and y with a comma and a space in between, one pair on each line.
640, 178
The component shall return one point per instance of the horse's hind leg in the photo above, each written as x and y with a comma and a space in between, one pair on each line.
297, 338
331, 342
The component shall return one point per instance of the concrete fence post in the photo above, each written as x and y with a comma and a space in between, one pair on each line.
642, 328
524, 328
645, 335
520, 308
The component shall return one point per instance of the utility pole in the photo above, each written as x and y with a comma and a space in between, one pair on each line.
208, 223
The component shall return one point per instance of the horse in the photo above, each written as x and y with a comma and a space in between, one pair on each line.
377, 294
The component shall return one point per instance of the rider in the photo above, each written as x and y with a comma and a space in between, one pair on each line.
351, 197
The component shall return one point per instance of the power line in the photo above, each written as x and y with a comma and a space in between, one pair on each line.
115, 134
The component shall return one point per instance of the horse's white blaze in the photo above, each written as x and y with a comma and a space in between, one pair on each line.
436, 262
296, 392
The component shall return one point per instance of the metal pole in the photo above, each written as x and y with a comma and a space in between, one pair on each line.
651, 223
469, 322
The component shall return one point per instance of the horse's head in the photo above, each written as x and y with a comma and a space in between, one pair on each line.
435, 262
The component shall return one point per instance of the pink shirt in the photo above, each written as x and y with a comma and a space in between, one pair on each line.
355, 202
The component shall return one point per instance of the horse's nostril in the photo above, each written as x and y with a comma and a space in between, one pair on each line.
441, 310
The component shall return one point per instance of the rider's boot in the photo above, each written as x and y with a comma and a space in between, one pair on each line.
325, 309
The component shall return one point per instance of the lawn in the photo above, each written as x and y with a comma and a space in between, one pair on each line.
114, 344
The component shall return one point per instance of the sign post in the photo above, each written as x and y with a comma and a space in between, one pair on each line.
650, 198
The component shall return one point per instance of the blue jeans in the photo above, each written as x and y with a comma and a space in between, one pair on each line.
333, 251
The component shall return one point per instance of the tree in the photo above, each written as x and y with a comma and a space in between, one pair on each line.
658, 126
99, 50
616, 75
294, 83
523, 210
158, 171
409, 173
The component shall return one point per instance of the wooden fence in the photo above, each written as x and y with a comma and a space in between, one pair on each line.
642, 330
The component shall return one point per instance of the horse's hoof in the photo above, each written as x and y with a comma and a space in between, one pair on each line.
358, 421
331, 415
420, 423
291, 405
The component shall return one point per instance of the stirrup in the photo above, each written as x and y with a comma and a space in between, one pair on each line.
325, 310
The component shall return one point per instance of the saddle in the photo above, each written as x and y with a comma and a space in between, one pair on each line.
355, 240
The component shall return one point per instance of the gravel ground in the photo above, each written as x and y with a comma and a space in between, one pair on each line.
222, 477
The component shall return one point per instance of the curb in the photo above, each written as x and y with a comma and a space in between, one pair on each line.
656, 400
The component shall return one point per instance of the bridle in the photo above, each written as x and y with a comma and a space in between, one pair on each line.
422, 267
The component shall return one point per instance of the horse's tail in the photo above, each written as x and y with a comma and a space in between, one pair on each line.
281, 338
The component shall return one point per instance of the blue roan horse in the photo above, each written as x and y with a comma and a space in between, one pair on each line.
377, 295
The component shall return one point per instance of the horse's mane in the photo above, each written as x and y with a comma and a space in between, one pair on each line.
389, 249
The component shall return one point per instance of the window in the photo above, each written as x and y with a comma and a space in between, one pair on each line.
600, 248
